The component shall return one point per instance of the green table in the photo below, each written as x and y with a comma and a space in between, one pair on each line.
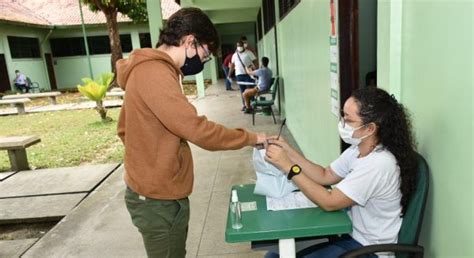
285, 225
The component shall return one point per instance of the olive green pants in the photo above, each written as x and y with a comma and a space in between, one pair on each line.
162, 223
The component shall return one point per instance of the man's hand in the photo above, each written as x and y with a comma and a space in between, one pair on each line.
261, 141
278, 157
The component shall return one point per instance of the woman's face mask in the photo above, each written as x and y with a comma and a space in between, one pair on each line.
240, 49
192, 65
346, 133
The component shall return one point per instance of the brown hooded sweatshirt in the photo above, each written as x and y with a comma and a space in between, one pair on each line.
155, 123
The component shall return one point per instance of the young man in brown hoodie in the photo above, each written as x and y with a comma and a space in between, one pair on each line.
157, 121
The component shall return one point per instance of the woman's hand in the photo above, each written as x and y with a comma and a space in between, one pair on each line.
292, 153
277, 156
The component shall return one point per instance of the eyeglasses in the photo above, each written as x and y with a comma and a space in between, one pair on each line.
207, 53
344, 122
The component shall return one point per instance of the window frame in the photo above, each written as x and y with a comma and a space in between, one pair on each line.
286, 6
24, 47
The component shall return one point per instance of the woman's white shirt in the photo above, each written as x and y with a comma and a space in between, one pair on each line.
373, 183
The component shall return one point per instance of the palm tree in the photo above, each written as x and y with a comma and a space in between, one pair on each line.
95, 90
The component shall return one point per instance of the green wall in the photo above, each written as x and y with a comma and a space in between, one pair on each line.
425, 58
303, 53
436, 84
70, 70
35, 68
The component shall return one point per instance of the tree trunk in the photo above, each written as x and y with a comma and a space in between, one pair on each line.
102, 111
114, 37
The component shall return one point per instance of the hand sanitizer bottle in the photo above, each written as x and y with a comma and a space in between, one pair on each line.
236, 212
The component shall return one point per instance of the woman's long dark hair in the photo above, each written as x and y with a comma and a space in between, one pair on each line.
394, 133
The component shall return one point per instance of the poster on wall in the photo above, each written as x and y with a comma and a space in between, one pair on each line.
334, 61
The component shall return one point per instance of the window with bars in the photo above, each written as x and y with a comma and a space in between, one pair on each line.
23, 47
62, 47
268, 7
286, 6
145, 40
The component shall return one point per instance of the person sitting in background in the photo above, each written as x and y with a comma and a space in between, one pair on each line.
371, 79
374, 178
264, 75
21, 83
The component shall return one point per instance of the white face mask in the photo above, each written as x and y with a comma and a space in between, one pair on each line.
347, 132
245, 45
240, 49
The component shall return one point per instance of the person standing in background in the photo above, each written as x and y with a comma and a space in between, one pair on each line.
225, 67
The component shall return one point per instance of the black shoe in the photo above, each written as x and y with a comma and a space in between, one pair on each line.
243, 109
248, 111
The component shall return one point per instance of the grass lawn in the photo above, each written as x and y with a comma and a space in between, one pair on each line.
68, 138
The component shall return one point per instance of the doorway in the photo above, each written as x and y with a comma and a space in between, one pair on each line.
357, 47
4, 78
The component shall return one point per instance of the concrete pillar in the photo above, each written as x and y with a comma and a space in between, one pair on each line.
200, 84
389, 35
135, 39
155, 19
214, 73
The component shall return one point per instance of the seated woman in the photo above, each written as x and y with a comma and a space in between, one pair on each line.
264, 75
373, 178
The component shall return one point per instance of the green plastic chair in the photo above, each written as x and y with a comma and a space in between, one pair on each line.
262, 103
411, 224
34, 86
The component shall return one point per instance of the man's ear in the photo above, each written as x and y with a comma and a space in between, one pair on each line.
188, 40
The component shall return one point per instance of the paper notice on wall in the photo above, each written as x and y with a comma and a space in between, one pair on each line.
294, 200
333, 54
334, 75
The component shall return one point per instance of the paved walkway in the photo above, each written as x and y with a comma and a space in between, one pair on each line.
101, 227
59, 107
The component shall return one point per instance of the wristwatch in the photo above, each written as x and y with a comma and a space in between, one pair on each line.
294, 170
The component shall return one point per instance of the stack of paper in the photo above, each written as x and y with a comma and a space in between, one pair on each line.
294, 200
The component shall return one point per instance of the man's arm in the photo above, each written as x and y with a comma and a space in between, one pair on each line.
231, 69
180, 117
250, 71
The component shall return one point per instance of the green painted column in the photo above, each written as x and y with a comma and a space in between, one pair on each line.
135, 39
213, 65
389, 56
155, 19
200, 84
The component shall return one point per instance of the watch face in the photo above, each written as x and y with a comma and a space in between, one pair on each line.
296, 169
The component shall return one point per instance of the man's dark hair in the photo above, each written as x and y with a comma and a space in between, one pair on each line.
265, 61
189, 21
17, 71
240, 43
243, 38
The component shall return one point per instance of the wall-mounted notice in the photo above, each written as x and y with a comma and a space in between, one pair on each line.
334, 62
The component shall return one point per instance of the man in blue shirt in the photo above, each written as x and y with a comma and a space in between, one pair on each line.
21, 82
264, 75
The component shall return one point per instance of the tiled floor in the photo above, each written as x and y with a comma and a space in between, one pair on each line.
101, 227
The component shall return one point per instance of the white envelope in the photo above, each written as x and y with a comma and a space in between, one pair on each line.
270, 180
